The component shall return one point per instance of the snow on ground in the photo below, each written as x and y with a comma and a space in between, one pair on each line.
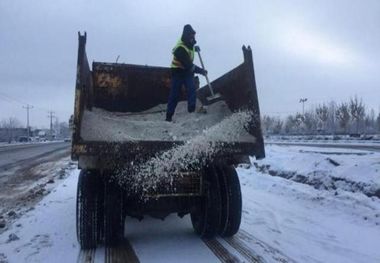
22, 186
299, 221
46, 233
310, 225
171, 240
325, 168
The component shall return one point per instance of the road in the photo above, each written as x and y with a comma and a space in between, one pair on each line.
25, 171
13, 156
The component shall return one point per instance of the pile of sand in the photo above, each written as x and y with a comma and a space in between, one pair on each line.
150, 125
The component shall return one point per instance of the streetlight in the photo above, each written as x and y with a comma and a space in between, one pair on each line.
303, 100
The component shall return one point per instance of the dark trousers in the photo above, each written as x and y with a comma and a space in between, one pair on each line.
175, 90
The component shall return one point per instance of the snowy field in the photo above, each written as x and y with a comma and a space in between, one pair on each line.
284, 219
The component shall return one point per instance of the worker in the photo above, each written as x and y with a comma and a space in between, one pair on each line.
183, 70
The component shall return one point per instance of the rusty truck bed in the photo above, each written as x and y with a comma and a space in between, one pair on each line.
124, 88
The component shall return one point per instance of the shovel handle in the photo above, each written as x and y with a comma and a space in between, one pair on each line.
203, 67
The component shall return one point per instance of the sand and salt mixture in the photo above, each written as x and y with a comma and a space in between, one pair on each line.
150, 125
192, 156
204, 136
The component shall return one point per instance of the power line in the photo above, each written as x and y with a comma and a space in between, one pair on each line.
10, 98
6, 99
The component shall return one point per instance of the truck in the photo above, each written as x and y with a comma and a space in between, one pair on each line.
133, 163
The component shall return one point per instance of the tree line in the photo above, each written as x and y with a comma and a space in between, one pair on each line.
350, 117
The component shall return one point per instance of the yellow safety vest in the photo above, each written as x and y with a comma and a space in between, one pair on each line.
175, 62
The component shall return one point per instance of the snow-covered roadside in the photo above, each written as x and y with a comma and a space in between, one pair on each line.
282, 216
310, 225
325, 168
330, 139
46, 233
27, 186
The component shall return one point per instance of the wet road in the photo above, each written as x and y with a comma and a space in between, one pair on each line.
12, 156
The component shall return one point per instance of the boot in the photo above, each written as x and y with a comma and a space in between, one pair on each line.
168, 118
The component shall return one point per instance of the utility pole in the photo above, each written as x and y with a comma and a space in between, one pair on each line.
303, 100
27, 107
51, 116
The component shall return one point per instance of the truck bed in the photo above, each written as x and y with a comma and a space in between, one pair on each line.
120, 110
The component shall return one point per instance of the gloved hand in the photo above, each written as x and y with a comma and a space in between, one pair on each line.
197, 49
204, 72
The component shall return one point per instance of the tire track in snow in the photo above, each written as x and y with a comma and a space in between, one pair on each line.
86, 256
123, 253
220, 251
244, 250
274, 253
243, 243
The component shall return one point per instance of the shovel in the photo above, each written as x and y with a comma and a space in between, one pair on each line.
214, 97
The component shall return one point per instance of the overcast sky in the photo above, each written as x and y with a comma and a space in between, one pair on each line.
321, 50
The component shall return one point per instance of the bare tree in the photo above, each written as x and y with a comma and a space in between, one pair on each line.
378, 122
310, 121
277, 126
289, 124
10, 125
64, 129
298, 120
357, 111
267, 123
369, 122
322, 112
343, 116
331, 122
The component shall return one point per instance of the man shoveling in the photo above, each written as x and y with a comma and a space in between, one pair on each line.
183, 70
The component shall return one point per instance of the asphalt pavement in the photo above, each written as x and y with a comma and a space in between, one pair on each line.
11, 156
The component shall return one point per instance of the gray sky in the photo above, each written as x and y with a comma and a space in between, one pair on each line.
321, 50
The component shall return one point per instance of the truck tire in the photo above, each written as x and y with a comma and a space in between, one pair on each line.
206, 217
86, 216
113, 214
231, 201
100, 209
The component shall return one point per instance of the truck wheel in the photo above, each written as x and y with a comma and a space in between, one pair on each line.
113, 214
206, 217
100, 209
231, 201
86, 216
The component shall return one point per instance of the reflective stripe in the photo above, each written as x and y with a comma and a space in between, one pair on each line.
175, 62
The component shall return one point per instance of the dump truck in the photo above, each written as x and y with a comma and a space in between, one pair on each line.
133, 163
